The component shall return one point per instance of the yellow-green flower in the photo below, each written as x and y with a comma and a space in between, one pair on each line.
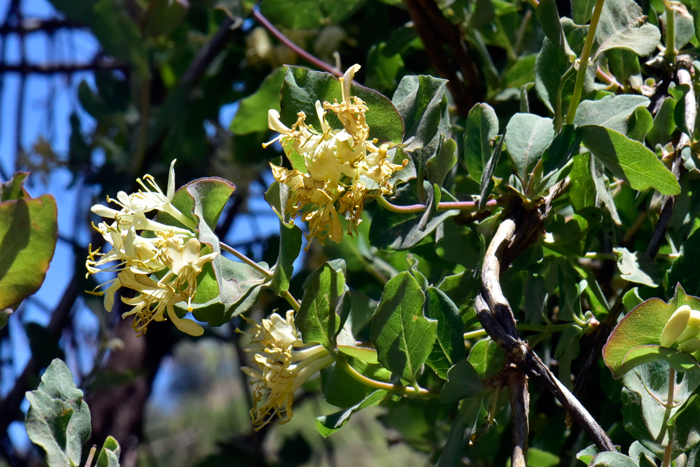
343, 167
682, 330
173, 253
280, 364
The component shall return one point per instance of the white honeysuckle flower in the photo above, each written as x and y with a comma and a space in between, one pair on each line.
336, 161
185, 263
172, 252
152, 303
280, 364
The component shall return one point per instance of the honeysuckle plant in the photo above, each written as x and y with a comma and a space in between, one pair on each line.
476, 264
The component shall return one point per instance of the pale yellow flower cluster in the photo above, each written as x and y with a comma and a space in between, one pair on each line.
343, 167
683, 329
171, 252
280, 364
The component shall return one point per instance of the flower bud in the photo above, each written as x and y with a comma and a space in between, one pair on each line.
675, 326
690, 346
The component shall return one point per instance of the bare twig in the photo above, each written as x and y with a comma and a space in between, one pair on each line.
62, 68
520, 404
318, 63
34, 25
496, 316
457, 66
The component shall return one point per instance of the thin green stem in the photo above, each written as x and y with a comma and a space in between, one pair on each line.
667, 415
245, 259
670, 54
396, 389
286, 295
291, 300
475, 334
583, 63
445, 206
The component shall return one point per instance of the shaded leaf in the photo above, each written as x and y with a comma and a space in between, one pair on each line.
479, 134
109, 455
462, 382
308, 14
326, 425
487, 358
28, 232
402, 335
611, 112
629, 160
324, 305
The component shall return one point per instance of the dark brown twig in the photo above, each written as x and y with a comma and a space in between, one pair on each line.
454, 64
318, 63
496, 316
520, 404
62, 68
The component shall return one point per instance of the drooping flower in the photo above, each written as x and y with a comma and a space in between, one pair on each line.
173, 253
280, 364
341, 168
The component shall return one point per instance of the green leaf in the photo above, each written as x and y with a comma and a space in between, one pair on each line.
366, 354
290, 245
539, 458
13, 189
611, 112
642, 354
624, 65
251, 115
462, 382
109, 455
58, 419
324, 305
637, 267
587, 454
119, 35
450, 337
612, 459
225, 288
644, 417
329, 424
479, 135
308, 14
462, 427
548, 16
686, 433
684, 28
398, 231
582, 11
382, 68
640, 124
402, 335
643, 326
632, 299
582, 190
28, 229
629, 160
303, 87
422, 103
440, 165
600, 180
487, 358
527, 137
622, 26
664, 123
487, 182
684, 270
